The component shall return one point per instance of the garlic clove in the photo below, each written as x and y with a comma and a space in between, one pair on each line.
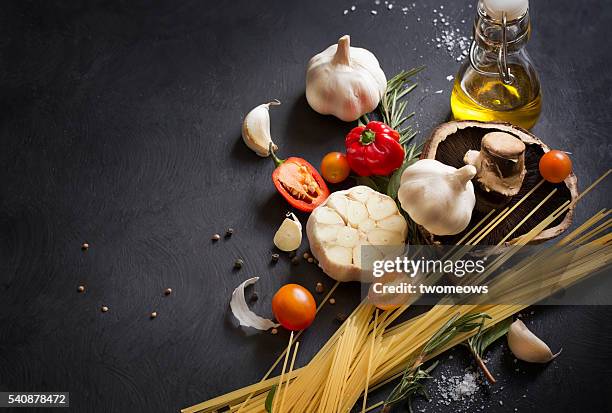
256, 129
527, 346
241, 310
288, 237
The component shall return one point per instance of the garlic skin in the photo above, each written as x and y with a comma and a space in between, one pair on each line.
256, 129
243, 314
348, 220
344, 81
437, 196
288, 237
527, 346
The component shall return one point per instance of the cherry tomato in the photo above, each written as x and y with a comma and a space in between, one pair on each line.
335, 168
294, 307
555, 166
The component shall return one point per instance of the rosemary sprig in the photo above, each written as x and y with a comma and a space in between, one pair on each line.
392, 106
411, 381
411, 385
392, 111
479, 343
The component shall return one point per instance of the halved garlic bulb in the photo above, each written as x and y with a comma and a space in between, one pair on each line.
339, 227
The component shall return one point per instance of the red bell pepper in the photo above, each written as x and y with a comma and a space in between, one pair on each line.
374, 149
299, 183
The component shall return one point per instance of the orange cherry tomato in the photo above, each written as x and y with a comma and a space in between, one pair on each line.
294, 307
387, 307
334, 167
555, 166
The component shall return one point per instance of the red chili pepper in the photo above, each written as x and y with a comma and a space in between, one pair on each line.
374, 149
299, 183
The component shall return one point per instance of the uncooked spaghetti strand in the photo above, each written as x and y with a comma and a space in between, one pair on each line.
284, 393
471, 231
594, 232
584, 226
508, 212
494, 221
593, 185
282, 376
533, 211
369, 371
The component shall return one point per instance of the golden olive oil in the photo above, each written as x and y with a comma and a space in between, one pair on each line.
488, 98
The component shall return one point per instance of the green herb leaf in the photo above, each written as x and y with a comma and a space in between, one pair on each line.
270, 399
479, 343
394, 180
410, 386
367, 181
410, 383
483, 340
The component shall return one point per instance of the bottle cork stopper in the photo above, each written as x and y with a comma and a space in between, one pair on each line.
514, 8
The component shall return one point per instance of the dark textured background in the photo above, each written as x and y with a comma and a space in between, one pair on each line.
120, 126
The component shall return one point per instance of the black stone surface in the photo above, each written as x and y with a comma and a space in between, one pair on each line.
120, 127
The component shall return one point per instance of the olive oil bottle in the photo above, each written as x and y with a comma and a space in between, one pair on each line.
498, 81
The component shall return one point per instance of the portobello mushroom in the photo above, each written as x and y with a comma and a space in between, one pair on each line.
500, 166
450, 142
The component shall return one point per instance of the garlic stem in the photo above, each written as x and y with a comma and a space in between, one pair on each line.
465, 174
343, 53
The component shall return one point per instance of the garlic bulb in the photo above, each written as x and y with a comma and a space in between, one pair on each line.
289, 235
256, 129
527, 346
344, 81
437, 196
339, 227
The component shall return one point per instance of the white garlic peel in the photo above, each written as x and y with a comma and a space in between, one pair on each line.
437, 196
256, 129
241, 310
344, 81
288, 237
348, 220
527, 346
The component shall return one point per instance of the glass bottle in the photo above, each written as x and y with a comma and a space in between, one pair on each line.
498, 81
